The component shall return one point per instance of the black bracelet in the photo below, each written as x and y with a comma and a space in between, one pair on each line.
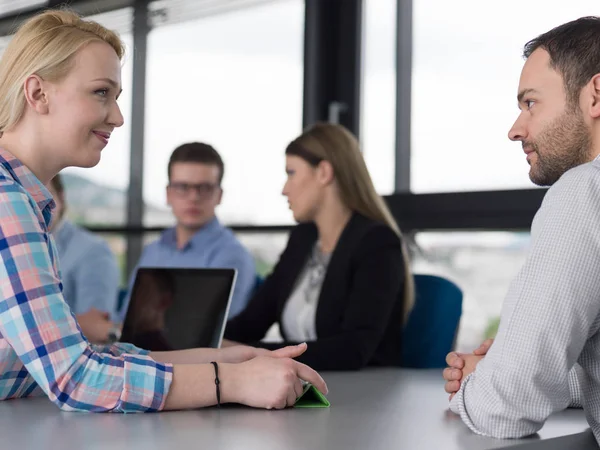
217, 383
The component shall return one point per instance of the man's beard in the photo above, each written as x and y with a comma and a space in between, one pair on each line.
566, 143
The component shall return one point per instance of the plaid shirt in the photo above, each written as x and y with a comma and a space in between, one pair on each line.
42, 349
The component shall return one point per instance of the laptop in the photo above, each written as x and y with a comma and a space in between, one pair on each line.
177, 308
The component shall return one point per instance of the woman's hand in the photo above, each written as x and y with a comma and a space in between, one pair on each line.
266, 382
242, 353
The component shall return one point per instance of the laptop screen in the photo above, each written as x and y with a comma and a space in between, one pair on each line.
176, 309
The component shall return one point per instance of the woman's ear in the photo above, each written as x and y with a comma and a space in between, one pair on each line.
35, 94
325, 173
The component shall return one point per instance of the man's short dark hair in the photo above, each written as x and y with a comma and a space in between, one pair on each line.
197, 152
574, 50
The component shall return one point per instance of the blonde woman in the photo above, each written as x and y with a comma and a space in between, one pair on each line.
343, 283
60, 78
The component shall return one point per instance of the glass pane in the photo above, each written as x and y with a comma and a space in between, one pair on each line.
4, 40
482, 264
378, 124
466, 66
265, 247
232, 80
10, 7
97, 196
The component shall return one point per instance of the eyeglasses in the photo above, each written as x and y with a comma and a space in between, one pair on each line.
204, 190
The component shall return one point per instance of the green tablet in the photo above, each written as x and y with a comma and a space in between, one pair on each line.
311, 398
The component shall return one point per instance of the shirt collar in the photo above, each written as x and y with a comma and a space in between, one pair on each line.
25, 177
169, 237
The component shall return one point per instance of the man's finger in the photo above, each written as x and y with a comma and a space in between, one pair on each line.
307, 374
291, 351
484, 347
453, 359
446, 374
451, 374
452, 386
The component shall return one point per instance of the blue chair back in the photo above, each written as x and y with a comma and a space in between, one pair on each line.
430, 331
258, 283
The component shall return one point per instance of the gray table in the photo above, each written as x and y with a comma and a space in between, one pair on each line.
374, 409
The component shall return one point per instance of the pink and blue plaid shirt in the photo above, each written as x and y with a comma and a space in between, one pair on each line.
42, 349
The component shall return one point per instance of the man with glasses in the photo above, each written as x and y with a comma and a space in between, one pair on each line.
199, 240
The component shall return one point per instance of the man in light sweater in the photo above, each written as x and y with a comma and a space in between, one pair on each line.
546, 355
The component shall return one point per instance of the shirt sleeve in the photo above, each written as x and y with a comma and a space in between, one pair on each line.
38, 325
575, 387
238, 258
550, 310
97, 280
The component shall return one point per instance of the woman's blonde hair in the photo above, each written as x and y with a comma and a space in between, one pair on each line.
335, 144
45, 45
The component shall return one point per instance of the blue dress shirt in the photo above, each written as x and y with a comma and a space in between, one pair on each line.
90, 276
213, 246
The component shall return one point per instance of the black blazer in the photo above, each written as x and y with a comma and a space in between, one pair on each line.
360, 310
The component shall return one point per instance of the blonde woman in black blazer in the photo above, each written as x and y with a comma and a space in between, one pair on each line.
343, 283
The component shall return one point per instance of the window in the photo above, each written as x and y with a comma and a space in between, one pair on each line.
466, 67
482, 264
378, 123
11, 7
4, 40
266, 248
98, 195
234, 80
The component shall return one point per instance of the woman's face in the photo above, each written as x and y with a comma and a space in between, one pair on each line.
303, 188
82, 109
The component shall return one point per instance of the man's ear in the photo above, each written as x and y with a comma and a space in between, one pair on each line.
220, 196
594, 103
168, 196
35, 94
325, 173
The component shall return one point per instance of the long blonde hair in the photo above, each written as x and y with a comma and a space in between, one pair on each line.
45, 45
338, 146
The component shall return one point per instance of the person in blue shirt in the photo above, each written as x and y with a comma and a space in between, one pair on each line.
90, 276
198, 239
